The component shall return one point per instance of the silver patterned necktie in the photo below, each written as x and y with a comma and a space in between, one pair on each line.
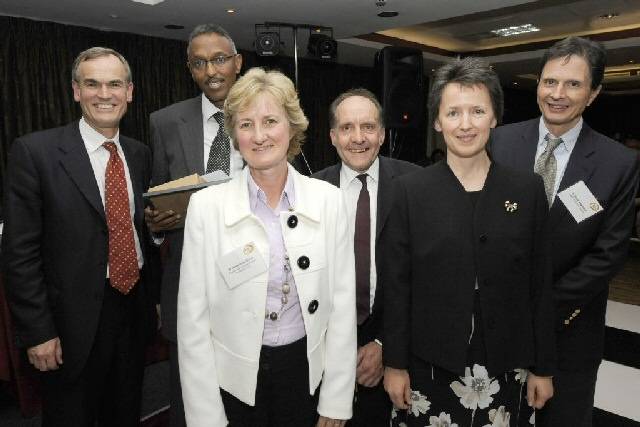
220, 151
546, 166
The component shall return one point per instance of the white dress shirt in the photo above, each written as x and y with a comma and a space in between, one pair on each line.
562, 151
210, 128
351, 186
99, 157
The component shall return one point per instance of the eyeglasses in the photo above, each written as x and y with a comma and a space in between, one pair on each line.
218, 61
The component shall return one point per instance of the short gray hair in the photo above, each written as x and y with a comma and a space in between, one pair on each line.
211, 29
97, 52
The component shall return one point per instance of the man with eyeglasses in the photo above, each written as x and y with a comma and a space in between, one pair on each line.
187, 138
357, 132
75, 255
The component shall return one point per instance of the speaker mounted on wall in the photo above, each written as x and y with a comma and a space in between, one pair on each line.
322, 46
267, 42
402, 82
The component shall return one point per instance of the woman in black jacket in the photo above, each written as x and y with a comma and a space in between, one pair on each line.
466, 272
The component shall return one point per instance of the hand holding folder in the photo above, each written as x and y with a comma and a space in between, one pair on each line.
173, 196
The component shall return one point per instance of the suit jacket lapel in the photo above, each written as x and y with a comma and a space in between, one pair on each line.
526, 156
333, 174
386, 174
75, 161
579, 168
192, 135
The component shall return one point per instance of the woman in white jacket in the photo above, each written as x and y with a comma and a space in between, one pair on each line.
266, 308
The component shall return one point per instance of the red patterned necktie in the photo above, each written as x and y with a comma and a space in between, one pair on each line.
123, 261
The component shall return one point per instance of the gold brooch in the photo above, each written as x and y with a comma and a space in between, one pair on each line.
248, 248
510, 206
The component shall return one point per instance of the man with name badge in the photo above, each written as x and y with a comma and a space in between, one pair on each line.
591, 183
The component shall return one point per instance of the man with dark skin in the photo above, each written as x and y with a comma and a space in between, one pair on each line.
186, 138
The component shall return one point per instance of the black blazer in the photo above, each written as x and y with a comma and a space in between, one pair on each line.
389, 169
55, 243
439, 245
586, 256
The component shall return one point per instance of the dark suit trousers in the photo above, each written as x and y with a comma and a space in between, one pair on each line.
176, 410
108, 390
572, 401
371, 405
282, 393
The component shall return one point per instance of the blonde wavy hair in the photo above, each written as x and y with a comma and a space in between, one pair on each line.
257, 81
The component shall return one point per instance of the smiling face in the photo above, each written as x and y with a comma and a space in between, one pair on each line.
465, 118
262, 133
564, 91
103, 93
214, 80
357, 134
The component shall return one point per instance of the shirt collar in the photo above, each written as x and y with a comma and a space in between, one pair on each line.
349, 174
288, 196
569, 138
94, 139
208, 109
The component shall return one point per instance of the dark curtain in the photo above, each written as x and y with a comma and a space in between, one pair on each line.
35, 82
611, 115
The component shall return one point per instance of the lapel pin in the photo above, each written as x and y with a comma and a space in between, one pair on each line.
510, 206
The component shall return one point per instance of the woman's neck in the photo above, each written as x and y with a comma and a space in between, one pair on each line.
471, 172
272, 182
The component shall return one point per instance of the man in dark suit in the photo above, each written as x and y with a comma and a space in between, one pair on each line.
357, 132
587, 253
74, 252
187, 138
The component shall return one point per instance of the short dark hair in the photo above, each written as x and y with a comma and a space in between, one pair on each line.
359, 91
210, 29
97, 52
591, 51
469, 71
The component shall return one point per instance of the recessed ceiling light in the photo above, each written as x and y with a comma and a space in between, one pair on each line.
174, 27
515, 29
231, 11
610, 15
149, 2
388, 14
515, 83
113, 16
631, 61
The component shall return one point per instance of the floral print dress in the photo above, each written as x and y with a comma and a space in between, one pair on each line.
440, 398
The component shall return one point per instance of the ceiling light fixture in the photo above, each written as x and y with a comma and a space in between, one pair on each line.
388, 14
231, 11
515, 29
148, 2
174, 27
610, 15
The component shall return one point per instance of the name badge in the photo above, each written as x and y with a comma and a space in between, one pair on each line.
580, 202
241, 264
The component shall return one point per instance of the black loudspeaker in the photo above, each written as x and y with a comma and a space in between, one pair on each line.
267, 44
401, 74
322, 46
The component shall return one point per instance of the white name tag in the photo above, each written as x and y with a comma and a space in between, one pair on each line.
580, 202
241, 264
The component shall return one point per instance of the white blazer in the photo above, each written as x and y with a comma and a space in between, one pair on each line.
220, 327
